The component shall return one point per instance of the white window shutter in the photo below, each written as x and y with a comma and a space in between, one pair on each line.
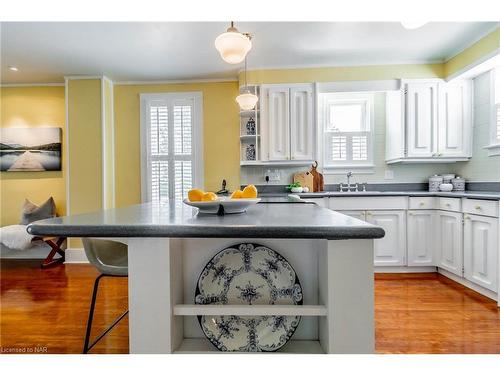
170, 155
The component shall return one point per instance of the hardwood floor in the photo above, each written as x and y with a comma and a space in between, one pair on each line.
417, 313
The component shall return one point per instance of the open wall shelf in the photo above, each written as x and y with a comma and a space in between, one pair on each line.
200, 346
250, 139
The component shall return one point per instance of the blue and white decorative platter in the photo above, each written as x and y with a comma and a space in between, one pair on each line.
255, 275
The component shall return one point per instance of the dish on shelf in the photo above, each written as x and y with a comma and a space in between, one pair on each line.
230, 206
255, 275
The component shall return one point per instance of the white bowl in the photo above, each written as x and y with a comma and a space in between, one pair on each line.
296, 190
231, 206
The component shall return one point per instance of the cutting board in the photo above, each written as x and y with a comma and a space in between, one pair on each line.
305, 179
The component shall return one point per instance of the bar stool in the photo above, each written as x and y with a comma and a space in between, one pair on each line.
111, 260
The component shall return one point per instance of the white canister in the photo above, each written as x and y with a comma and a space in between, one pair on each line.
447, 178
434, 182
446, 187
458, 184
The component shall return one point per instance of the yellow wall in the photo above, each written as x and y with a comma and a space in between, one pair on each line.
85, 147
483, 47
346, 73
109, 144
220, 133
32, 107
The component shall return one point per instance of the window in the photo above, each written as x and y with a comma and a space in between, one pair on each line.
171, 145
347, 129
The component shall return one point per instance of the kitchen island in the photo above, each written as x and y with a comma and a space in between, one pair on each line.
169, 244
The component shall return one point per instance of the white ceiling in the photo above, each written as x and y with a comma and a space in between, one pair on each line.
127, 51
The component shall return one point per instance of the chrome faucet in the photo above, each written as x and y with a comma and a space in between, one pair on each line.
348, 187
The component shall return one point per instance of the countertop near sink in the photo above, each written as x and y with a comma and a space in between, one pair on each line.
491, 195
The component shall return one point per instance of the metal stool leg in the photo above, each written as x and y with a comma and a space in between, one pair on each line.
86, 346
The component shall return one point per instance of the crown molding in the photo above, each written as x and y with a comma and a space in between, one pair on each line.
357, 65
462, 49
163, 82
54, 84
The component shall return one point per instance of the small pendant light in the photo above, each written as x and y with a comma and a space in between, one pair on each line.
247, 100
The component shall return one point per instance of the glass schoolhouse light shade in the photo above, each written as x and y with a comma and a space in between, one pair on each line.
233, 46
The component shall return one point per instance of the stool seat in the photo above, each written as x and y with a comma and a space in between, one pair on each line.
109, 257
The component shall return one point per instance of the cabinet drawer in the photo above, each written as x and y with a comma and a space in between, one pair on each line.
480, 207
449, 204
368, 203
422, 203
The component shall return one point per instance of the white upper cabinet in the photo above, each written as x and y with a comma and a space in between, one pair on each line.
429, 121
278, 120
301, 123
420, 237
449, 232
481, 250
421, 119
455, 119
288, 122
391, 249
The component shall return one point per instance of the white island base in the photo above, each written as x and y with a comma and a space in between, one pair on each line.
336, 278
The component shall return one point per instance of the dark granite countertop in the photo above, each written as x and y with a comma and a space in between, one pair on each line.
490, 195
175, 219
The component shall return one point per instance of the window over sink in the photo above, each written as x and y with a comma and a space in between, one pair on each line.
346, 129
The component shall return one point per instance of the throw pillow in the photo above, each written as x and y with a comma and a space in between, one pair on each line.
30, 212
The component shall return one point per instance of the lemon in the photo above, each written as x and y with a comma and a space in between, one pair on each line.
250, 191
237, 194
209, 197
195, 195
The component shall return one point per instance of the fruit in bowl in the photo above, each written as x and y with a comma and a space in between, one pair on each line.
198, 195
250, 191
209, 197
237, 194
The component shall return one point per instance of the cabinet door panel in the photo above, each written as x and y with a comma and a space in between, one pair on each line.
454, 119
481, 250
420, 238
278, 123
301, 123
391, 249
421, 105
450, 246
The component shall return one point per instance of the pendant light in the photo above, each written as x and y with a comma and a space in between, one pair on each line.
232, 45
247, 100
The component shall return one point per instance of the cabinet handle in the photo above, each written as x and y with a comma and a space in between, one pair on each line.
448, 205
368, 214
410, 213
467, 217
477, 207
422, 203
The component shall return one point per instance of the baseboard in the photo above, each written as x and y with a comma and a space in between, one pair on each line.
477, 288
76, 255
404, 269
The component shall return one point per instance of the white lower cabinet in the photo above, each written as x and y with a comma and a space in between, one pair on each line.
355, 214
481, 250
391, 249
420, 224
461, 236
449, 232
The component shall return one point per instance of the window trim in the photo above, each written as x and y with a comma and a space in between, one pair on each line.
197, 132
365, 167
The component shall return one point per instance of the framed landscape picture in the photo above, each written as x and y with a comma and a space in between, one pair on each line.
30, 149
